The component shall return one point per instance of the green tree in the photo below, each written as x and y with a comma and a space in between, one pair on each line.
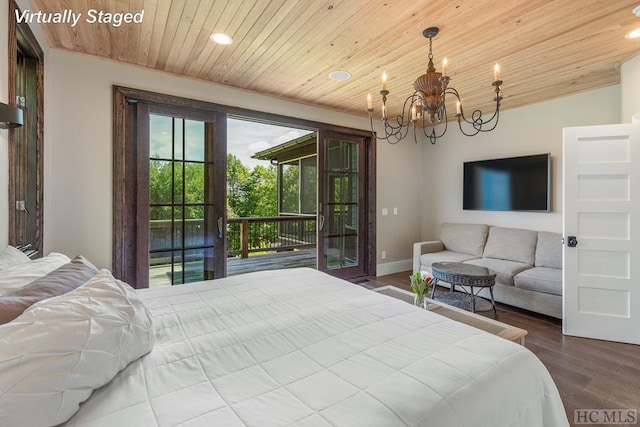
237, 177
262, 191
160, 187
290, 188
194, 189
250, 193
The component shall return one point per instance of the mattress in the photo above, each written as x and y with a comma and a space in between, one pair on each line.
301, 348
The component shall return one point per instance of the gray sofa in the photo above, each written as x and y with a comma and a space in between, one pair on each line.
528, 263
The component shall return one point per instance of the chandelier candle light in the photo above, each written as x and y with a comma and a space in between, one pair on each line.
426, 107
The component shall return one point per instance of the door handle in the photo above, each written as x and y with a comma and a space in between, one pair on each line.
320, 222
220, 227
572, 242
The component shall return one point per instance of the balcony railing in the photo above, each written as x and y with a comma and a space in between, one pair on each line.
268, 234
244, 235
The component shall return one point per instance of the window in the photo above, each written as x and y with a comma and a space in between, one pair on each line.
290, 187
298, 186
309, 185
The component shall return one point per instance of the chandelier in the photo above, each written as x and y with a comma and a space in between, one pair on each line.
426, 107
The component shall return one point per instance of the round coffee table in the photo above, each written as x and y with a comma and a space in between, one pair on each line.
473, 276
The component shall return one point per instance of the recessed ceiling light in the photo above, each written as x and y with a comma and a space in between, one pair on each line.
633, 34
221, 38
340, 75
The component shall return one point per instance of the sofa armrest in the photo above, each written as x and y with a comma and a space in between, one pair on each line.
425, 248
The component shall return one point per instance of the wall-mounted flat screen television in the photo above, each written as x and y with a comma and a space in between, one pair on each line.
510, 184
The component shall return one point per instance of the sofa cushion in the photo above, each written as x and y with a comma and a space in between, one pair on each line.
465, 238
549, 250
513, 244
505, 270
540, 279
445, 256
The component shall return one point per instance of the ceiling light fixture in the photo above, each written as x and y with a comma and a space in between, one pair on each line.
426, 107
340, 75
10, 117
221, 38
633, 34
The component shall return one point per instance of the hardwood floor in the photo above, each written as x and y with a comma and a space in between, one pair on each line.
590, 374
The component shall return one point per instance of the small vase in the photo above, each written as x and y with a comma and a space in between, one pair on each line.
419, 300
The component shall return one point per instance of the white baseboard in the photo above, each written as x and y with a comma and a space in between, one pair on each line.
394, 267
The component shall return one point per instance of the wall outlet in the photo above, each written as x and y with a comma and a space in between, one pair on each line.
395, 211
383, 254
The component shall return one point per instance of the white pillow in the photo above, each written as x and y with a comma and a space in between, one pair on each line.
22, 274
60, 349
12, 256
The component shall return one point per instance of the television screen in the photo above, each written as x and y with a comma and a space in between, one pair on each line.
511, 184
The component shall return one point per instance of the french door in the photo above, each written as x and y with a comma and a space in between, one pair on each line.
185, 224
176, 232
344, 234
177, 211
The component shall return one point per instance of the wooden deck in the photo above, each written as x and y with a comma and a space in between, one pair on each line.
272, 261
159, 275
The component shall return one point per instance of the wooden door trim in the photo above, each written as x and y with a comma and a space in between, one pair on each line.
220, 181
235, 112
371, 205
142, 196
30, 45
123, 228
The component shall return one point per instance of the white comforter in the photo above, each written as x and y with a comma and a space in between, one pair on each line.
299, 347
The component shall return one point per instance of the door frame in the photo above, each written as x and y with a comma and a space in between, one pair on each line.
130, 165
124, 229
21, 38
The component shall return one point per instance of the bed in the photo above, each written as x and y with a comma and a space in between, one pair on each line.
291, 348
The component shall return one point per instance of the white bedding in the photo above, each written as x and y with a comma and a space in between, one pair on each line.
299, 347
60, 349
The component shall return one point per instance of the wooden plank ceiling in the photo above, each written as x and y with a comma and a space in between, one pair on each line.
287, 48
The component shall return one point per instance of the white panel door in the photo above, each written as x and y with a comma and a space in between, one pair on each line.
601, 283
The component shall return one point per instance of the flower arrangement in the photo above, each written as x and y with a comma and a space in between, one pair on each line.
421, 283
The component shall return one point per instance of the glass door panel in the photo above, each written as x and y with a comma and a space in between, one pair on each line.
341, 250
181, 226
